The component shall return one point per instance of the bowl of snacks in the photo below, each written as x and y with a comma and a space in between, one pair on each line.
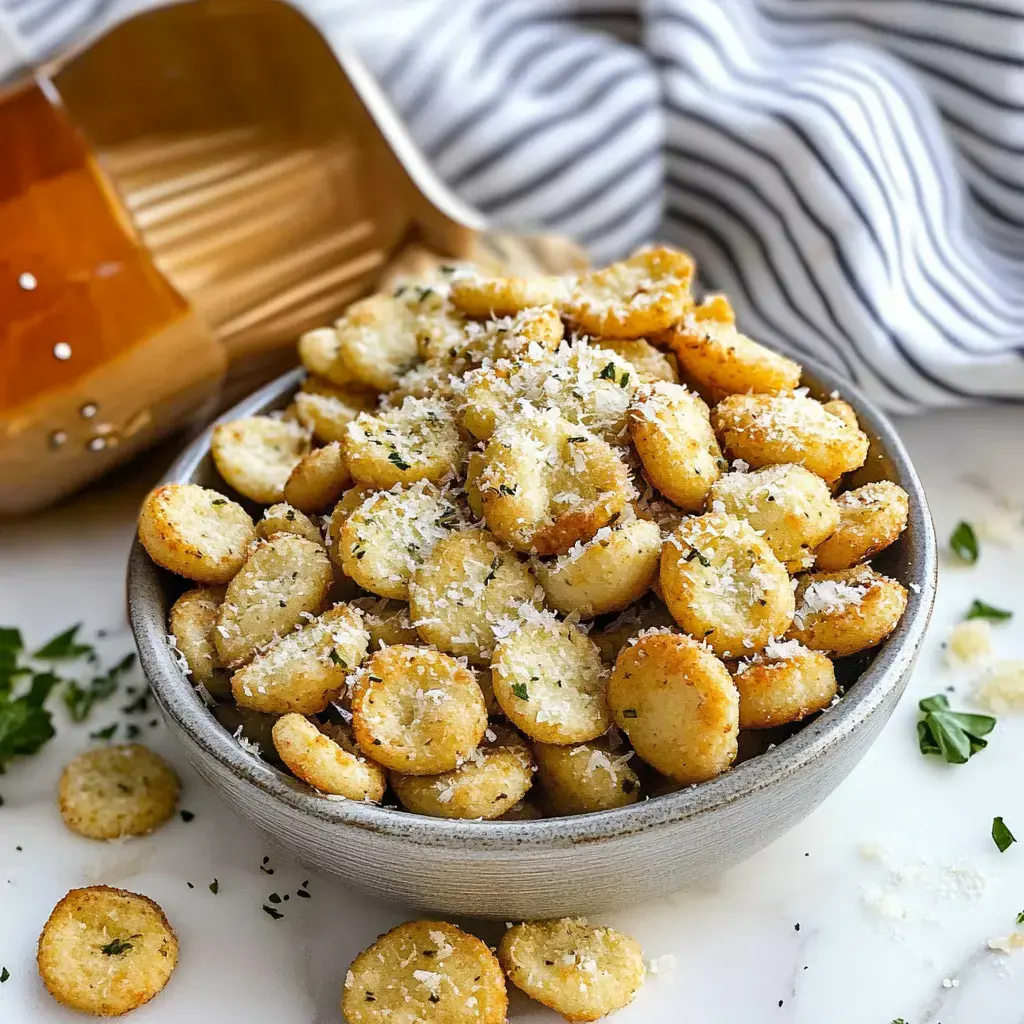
530, 596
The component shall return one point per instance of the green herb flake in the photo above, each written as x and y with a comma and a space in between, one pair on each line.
275, 914
4, 974
964, 542
116, 947
694, 553
215, 887
338, 659
624, 380
505, 489
981, 610
629, 713
80, 699
519, 689
1001, 835
954, 735
396, 460
1020, 917
64, 647
607, 372
104, 734
219, 501
187, 816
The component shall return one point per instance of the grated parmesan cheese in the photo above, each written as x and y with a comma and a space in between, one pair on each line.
1001, 689
969, 642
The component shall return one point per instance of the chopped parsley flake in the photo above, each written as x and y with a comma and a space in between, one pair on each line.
1020, 917
4, 974
396, 460
275, 914
607, 372
1001, 835
215, 887
694, 553
954, 735
117, 947
104, 734
219, 501
187, 816
980, 610
64, 647
964, 542
338, 659
519, 689
629, 713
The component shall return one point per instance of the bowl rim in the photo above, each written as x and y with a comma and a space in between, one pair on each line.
884, 677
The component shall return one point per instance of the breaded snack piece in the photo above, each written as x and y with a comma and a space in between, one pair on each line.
525, 810
425, 972
723, 584
325, 409
195, 532
318, 480
119, 790
417, 441
580, 970
474, 467
492, 780
387, 622
585, 778
306, 669
391, 534
347, 504
469, 585
650, 363
328, 759
783, 683
870, 519
844, 411
376, 338
791, 507
506, 337
763, 430
648, 614
723, 361
256, 455
635, 298
607, 573
284, 580
193, 624
673, 437
490, 297
548, 483
845, 612
550, 681
677, 704
417, 711
285, 518
589, 386
106, 951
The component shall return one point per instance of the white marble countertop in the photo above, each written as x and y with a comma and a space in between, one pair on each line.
809, 931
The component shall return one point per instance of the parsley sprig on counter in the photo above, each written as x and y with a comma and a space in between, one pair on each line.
981, 610
955, 735
26, 723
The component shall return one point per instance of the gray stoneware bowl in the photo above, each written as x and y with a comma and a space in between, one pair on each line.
557, 866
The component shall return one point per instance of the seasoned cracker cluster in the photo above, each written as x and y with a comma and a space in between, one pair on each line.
530, 546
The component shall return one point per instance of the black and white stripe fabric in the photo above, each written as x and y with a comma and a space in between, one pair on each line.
849, 171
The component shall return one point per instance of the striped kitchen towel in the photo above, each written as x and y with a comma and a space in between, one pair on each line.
847, 170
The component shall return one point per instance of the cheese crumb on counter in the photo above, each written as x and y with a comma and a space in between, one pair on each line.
1007, 943
1001, 689
663, 964
970, 642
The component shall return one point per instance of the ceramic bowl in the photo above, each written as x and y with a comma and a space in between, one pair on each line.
556, 866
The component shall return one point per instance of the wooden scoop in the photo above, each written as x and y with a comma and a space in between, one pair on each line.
190, 193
